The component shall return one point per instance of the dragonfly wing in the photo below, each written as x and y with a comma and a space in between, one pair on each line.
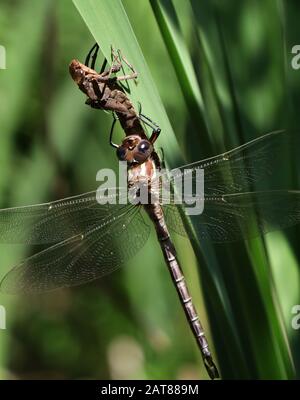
173, 218
81, 258
238, 169
228, 192
231, 217
54, 221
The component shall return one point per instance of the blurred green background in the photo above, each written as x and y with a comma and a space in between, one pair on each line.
223, 72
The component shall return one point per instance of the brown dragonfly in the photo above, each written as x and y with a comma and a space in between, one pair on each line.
88, 236
88, 240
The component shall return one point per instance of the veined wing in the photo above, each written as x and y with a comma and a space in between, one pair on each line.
236, 170
55, 221
82, 258
230, 204
232, 217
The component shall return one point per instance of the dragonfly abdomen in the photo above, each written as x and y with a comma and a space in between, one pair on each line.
156, 214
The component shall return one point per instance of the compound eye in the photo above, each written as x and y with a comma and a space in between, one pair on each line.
143, 151
144, 146
121, 153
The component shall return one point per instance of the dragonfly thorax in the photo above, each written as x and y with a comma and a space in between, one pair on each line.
143, 182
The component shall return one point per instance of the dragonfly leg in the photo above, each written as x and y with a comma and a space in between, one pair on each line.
103, 66
155, 128
105, 76
97, 89
112, 130
133, 74
116, 66
93, 53
118, 56
127, 77
162, 158
122, 57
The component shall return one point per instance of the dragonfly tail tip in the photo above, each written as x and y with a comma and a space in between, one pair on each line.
211, 368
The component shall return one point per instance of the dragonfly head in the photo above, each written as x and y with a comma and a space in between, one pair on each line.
134, 150
76, 71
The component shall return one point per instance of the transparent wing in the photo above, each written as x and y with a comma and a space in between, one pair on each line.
81, 258
231, 217
236, 170
54, 221
228, 195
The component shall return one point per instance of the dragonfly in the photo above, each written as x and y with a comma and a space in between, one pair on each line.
87, 240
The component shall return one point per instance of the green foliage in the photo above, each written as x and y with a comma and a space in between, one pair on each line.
259, 348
